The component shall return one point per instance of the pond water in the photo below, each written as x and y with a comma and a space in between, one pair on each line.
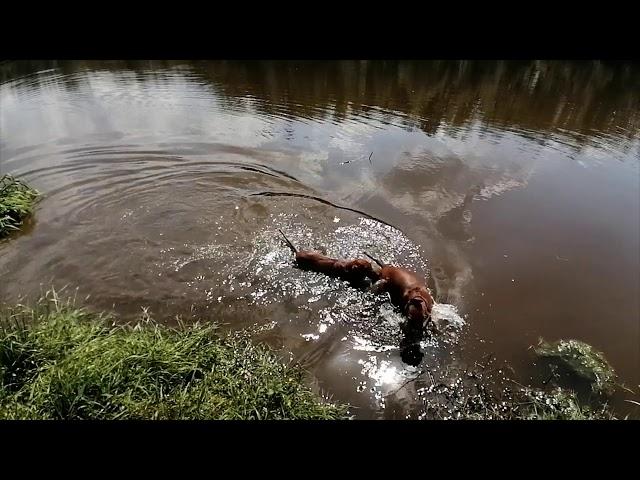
513, 186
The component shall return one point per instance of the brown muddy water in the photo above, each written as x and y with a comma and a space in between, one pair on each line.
513, 186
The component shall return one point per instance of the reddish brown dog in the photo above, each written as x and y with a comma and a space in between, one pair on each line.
355, 271
407, 291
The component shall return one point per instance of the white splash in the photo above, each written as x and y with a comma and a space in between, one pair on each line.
446, 317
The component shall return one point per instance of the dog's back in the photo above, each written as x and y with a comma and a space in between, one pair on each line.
356, 271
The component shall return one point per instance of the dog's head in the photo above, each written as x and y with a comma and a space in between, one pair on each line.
418, 309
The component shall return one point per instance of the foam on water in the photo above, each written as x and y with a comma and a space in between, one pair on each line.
446, 317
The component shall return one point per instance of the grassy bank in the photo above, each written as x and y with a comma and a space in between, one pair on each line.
58, 361
17, 200
61, 362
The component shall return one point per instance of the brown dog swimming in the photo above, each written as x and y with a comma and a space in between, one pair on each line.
407, 291
355, 271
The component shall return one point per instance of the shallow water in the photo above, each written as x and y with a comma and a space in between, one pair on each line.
514, 187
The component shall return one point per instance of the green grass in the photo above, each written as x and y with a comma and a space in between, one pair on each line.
558, 404
476, 393
583, 360
523, 404
62, 362
17, 200
532, 404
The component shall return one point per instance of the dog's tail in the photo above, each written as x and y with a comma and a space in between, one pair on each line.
375, 260
289, 244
